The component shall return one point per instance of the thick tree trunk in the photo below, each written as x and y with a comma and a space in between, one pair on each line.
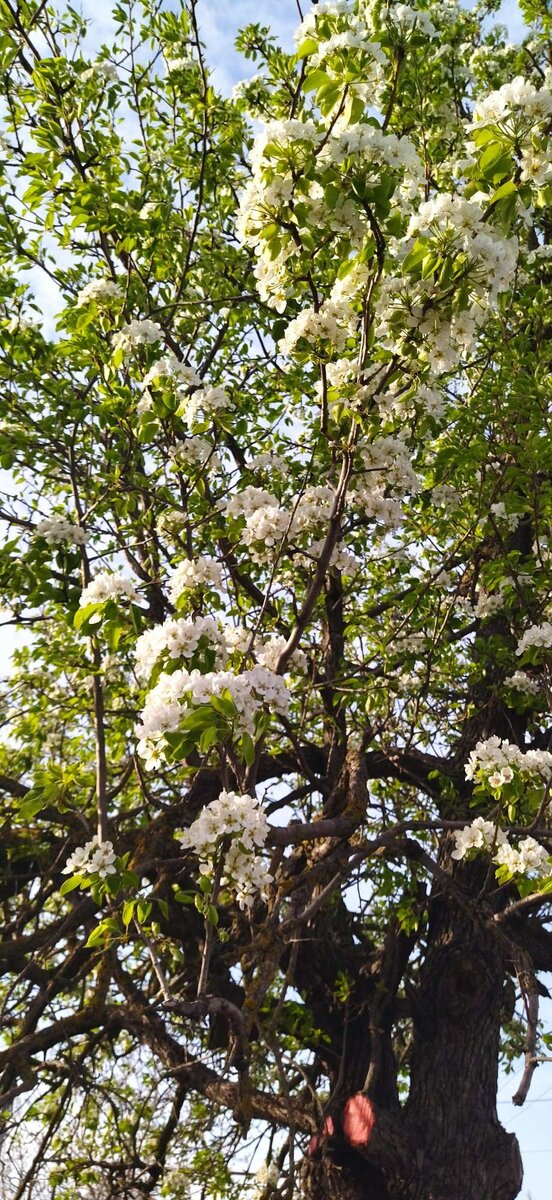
446, 1143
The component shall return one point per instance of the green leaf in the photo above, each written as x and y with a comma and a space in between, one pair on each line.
506, 189
83, 614
70, 884
491, 154
96, 937
32, 805
247, 746
128, 912
143, 910
414, 257
328, 96
224, 704
307, 47
314, 80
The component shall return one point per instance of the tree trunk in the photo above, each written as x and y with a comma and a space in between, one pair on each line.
446, 1143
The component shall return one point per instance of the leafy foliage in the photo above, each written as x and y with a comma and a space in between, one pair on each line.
277, 500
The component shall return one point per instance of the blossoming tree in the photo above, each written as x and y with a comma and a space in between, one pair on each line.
275, 761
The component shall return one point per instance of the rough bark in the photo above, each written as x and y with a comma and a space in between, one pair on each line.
445, 1142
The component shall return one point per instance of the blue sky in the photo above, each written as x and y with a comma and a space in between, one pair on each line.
220, 20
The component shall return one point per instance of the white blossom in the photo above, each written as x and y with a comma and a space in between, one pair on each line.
536, 635
179, 638
137, 333
99, 291
480, 835
518, 99
57, 530
173, 695
205, 400
181, 63
493, 755
102, 69
193, 573
520, 681
500, 513
108, 586
169, 367
194, 451
529, 857
241, 819
95, 858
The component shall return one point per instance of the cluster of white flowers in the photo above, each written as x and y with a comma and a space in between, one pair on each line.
168, 367
500, 513
459, 224
265, 530
171, 522
243, 503
411, 319
395, 403
536, 635
241, 819
268, 460
195, 451
193, 573
19, 324
241, 88
522, 682
387, 462
266, 193
205, 401
266, 651
313, 507
349, 39
406, 18
179, 638
333, 322
56, 530
374, 504
108, 585
182, 63
445, 495
536, 166
480, 835
269, 651
267, 523
529, 857
340, 558
485, 835
268, 198
267, 1176
95, 858
514, 104
385, 467
100, 291
173, 695
486, 604
105, 70
324, 8
540, 253
137, 333
374, 149
495, 761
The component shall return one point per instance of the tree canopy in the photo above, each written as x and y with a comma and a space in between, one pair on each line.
276, 855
